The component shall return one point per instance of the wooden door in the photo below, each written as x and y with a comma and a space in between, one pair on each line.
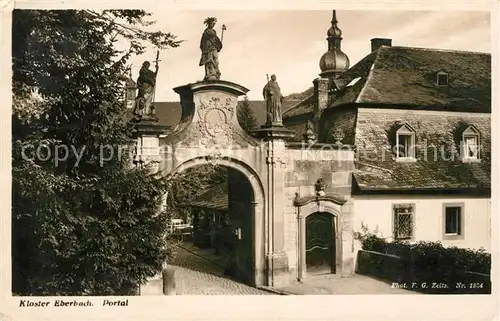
320, 243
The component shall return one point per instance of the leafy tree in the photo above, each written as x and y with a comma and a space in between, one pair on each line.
192, 182
88, 223
246, 116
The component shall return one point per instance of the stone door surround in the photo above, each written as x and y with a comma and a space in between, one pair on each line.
305, 206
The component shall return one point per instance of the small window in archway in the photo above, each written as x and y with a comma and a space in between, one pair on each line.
442, 78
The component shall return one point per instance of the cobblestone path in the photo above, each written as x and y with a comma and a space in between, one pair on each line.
355, 284
200, 272
195, 275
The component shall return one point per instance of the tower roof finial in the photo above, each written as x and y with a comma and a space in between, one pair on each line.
334, 30
334, 18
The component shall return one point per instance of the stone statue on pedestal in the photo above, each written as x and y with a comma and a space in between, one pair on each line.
146, 84
274, 99
210, 46
320, 187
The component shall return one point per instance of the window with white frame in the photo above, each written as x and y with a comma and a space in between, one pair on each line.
470, 144
405, 142
453, 219
442, 79
403, 221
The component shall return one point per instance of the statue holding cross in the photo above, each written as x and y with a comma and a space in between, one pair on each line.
146, 83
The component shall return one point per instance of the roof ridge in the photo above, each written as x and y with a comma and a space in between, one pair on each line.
369, 77
298, 104
439, 50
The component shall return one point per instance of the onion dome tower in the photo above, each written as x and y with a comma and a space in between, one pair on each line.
334, 61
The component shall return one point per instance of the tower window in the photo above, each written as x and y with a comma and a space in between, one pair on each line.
442, 79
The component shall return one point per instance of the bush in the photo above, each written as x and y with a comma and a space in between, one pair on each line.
423, 262
429, 256
371, 241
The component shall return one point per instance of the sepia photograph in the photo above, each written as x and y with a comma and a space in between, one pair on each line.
231, 152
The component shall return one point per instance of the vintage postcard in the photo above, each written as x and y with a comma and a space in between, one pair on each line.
250, 161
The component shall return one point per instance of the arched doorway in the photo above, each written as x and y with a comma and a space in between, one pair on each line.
240, 233
320, 244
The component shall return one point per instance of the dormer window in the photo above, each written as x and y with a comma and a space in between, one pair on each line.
470, 144
442, 79
405, 143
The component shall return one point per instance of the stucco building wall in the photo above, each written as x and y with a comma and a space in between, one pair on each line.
377, 212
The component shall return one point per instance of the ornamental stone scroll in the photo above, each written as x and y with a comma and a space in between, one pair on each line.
210, 110
215, 120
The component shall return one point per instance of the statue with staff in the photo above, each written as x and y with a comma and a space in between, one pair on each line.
210, 46
146, 83
274, 99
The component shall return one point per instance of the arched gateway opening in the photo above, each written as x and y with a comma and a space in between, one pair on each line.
226, 216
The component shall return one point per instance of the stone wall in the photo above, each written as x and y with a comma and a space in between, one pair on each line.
343, 119
290, 230
305, 165
348, 251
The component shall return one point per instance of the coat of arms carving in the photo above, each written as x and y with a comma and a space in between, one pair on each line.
215, 120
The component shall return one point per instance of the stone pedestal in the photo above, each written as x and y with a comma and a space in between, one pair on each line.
274, 133
148, 149
168, 278
209, 116
281, 273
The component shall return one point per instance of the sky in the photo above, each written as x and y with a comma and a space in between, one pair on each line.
291, 43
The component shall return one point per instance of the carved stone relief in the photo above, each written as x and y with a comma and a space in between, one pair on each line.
215, 120
216, 125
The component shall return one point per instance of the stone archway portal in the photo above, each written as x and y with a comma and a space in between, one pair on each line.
209, 129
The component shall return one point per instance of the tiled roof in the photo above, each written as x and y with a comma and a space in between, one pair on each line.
407, 76
212, 198
303, 107
169, 112
424, 175
259, 108
438, 136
